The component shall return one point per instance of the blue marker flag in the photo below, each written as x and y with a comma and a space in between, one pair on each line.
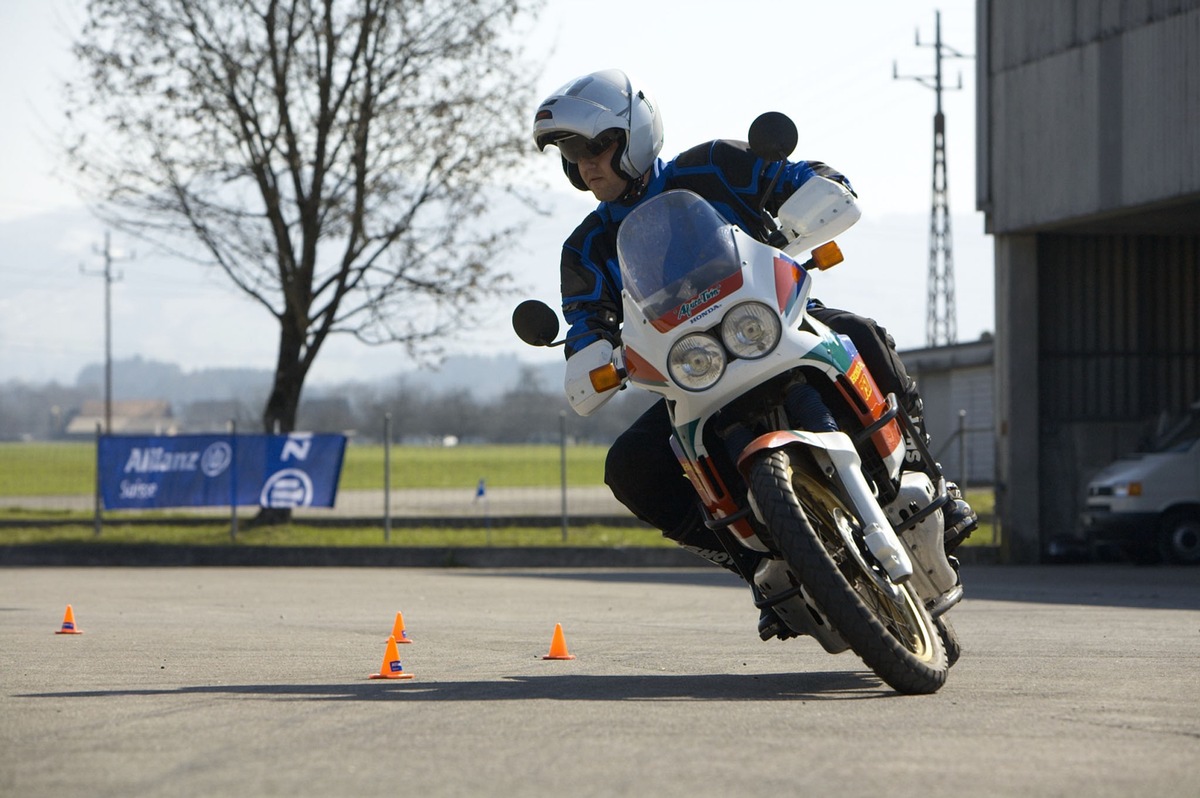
296, 470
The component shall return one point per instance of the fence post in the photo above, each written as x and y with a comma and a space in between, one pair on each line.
562, 459
233, 481
962, 448
387, 477
96, 520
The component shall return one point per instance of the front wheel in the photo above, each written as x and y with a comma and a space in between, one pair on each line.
886, 625
1179, 538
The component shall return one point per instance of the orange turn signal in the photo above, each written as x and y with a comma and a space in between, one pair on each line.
827, 255
605, 378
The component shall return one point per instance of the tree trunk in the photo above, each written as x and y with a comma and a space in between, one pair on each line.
279, 414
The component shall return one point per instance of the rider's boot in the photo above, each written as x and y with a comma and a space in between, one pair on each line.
770, 625
707, 543
959, 520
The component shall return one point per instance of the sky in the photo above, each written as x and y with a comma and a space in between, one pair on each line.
827, 65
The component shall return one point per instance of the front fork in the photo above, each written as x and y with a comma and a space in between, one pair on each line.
905, 536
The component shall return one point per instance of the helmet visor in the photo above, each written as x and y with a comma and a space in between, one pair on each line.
575, 148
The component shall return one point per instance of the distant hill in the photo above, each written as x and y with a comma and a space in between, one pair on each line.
483, 377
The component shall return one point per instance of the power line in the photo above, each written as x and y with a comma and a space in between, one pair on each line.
941, 315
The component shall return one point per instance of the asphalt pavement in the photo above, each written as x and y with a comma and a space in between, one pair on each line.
1076, 680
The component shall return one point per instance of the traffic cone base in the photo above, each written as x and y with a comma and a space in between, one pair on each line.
68, 624
558, 645
391, 667
398, 630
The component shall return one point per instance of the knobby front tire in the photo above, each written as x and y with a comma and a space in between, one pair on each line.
898, 641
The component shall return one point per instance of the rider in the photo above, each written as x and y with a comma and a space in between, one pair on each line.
609, 136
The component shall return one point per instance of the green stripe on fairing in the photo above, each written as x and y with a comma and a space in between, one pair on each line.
831, 351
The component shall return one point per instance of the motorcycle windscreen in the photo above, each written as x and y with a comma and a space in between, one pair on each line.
674, 250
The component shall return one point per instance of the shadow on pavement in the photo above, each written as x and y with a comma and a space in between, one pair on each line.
820, 686
1141, 587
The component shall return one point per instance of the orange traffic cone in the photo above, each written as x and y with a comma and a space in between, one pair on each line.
558, 645
398, 630
68, 627
391, 667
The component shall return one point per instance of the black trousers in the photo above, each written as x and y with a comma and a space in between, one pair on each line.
644, 475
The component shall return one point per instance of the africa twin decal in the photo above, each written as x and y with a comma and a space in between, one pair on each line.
694, 304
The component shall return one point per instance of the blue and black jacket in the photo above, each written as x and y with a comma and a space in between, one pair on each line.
723, 172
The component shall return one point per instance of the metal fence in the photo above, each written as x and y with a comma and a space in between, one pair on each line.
56, 483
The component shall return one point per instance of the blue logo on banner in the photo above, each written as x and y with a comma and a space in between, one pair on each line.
296, 470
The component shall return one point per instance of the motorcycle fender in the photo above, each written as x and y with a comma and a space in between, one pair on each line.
577, 381
835, 453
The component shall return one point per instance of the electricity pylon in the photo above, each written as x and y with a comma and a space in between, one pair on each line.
941, 316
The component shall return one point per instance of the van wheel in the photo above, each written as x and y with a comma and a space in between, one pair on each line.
1179, 538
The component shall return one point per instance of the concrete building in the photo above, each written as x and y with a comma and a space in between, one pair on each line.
1089, 177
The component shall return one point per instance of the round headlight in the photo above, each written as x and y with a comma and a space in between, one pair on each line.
750, 330
696, 362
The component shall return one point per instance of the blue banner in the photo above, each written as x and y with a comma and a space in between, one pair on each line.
297, 470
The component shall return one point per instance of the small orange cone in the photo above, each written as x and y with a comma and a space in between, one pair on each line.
558, 645
398, 630
68, 626
391, 667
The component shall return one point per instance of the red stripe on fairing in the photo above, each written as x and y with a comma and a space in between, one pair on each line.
714, 293
640, 370
789, 275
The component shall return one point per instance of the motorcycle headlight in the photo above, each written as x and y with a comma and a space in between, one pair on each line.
696, 362
751, 330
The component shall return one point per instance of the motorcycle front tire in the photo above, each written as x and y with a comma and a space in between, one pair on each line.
898, 641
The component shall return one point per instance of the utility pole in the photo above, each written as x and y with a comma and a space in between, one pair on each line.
108, 276
941, 315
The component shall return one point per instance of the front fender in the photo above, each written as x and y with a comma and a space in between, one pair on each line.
780, 439
835, 455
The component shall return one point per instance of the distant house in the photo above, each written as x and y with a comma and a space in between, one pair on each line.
130, 417
215, 415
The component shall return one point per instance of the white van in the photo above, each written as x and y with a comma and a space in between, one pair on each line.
1148, 503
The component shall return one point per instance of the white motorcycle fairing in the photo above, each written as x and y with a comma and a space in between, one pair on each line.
819, 211
685, 272
577, 380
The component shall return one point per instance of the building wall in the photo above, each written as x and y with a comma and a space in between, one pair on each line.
1083, 99
1089, 175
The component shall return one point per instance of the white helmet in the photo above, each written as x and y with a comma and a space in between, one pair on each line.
592, 105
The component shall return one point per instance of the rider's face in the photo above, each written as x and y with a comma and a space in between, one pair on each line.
597, 172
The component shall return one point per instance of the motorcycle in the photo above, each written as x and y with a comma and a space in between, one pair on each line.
778, 424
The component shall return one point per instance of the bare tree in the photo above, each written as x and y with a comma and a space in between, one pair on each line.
336, 159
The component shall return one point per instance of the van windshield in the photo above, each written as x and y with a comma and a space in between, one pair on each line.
1178, 433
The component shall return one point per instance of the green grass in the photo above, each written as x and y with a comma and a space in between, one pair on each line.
66, 469
501, 466
47, 469
301, 535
